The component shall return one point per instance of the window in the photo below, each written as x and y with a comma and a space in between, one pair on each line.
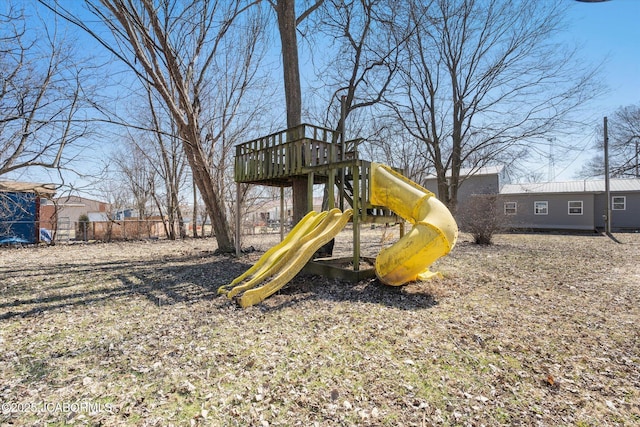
510, 208
619, 203
541, 208
575, 207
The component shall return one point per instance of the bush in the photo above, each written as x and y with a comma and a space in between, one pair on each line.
83, 227
482, 219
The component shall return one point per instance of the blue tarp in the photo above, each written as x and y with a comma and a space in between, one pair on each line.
13, 241
18, 217
45, 235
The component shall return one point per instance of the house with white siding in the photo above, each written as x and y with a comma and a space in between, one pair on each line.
571, 205
566, 205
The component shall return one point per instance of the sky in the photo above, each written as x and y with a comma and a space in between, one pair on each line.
609, 32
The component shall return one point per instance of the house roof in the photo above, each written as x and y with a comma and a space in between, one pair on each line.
485, 170
27, 187
585, 186
71, 200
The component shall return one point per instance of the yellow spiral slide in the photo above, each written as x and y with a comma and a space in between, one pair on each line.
433, 235
434, 231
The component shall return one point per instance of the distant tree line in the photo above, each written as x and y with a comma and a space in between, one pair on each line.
432, 85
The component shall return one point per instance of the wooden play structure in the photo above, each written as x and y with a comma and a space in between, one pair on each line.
367, 192
323, 157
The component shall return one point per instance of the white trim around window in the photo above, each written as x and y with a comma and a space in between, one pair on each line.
541, 207
619, 203
510, 208
575, 207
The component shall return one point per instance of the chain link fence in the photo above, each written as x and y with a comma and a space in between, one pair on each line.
64, 230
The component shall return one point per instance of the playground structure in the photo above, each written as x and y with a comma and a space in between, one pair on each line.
375, 193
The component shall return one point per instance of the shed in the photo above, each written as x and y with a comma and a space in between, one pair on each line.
486, 180
20, 210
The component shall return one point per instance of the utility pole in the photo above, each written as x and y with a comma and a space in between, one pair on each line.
607, 188
637, 170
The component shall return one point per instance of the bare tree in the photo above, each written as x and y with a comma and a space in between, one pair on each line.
235, 103
364, 50
173, 45
226, 116
482, 81
391, 144
151, 136
137, 176
41, 96
367, 37
169, 163
117, 196
288, 22
151, 168
44, 90
624, 145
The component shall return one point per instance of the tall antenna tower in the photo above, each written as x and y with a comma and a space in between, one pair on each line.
551, 175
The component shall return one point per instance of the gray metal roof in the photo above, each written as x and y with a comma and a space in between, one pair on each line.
585, 186
485, 170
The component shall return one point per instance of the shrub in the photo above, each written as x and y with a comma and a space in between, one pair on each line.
482, 219
83, 227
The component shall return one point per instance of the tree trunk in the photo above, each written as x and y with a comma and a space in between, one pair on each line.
165, 224
181, 229
194, 221
286, 12
172, 204
205, 183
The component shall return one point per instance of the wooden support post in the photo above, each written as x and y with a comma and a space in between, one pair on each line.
310, 192
341, 189
299, 183
364, 199
300, 201
356, 216
282, 216
343, 107
331, 179
238, 219
331, 183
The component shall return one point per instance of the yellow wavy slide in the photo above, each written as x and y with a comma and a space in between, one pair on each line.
261, 269
279, 265
434, 231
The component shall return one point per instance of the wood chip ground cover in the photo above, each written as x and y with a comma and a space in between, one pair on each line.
535, 330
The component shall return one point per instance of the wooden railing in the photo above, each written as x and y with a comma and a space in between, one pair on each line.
304, 149
289, 152
362, 187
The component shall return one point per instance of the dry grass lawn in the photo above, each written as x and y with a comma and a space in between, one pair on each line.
535, 330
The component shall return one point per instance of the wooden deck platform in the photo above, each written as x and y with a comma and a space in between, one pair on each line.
315, 152
274, 159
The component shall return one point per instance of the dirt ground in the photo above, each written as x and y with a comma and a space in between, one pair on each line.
537, 329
